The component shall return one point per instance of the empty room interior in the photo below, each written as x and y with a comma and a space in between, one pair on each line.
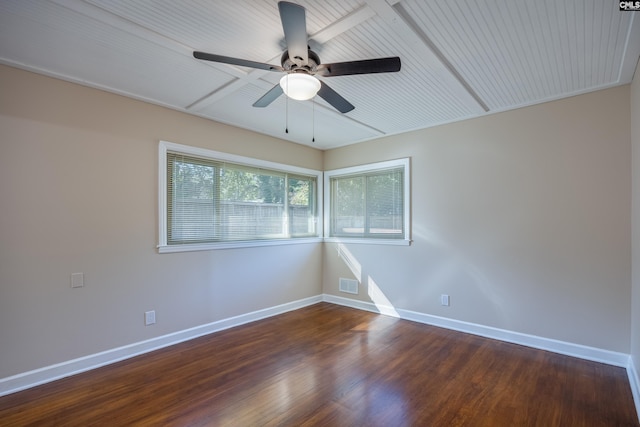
443, 231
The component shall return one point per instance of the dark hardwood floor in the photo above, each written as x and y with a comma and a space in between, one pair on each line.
327, 365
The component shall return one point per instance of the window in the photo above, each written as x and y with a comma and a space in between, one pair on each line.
368, 203
210, 200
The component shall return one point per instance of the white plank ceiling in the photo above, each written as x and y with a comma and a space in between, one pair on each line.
460, 59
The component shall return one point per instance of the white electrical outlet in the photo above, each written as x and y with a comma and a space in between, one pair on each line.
77, 280
149, 317
444, 300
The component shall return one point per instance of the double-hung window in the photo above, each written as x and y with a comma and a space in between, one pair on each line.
210, 199
369, 203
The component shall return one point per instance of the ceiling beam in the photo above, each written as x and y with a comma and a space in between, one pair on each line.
417, 41
343, 24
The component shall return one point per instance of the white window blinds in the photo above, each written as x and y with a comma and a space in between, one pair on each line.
369, 202
218, 201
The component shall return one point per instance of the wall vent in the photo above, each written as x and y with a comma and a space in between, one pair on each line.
349, 286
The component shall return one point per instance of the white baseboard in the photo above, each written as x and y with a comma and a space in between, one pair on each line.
634, 381
51, 373
570, 349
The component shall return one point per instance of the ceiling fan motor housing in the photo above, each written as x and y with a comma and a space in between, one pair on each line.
290, 65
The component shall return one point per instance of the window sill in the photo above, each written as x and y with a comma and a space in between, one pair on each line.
392, 242
191, 247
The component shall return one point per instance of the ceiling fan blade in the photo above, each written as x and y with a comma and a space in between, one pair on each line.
269, 97
294, 25
366, 66
333, 98
236, 61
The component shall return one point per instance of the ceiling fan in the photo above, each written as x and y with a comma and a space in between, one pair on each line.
301, 65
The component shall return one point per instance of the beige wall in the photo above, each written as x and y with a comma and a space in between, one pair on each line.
522, 217
78, 186
635, 142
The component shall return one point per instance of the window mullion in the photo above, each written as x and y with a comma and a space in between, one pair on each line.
217, 205
367, 222
285, 215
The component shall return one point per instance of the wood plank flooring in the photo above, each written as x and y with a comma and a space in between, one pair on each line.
327, 365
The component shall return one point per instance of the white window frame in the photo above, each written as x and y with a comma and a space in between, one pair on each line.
357, 170
164, 247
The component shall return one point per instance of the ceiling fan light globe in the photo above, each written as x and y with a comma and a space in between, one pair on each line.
299, 86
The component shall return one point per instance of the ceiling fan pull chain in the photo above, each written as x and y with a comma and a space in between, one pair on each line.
286, 113
313, 120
